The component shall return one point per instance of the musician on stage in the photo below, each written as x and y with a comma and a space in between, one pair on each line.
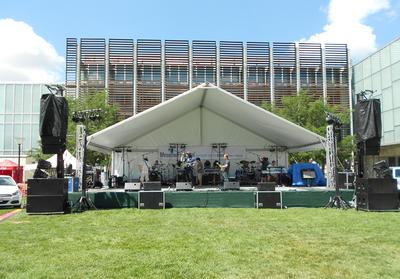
189, 168
144, 169
225, 168
264, 166
199, 171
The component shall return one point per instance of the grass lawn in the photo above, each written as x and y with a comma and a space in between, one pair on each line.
202, 243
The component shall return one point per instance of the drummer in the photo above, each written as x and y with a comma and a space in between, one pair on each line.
264, 166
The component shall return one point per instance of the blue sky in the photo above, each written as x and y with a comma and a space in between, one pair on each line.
250, 20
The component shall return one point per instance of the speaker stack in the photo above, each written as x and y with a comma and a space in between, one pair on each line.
53, 123
377, 194
47, 196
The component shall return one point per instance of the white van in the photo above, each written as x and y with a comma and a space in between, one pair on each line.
396, 175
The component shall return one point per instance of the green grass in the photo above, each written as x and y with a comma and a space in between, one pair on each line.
202, 243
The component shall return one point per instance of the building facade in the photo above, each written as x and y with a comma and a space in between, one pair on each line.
19, 117
143, 73
380, 73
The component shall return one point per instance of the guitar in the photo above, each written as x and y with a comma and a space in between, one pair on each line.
221, 167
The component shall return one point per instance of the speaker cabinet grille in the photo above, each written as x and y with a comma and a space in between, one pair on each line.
377, 194
151, 200
44, 186
47, 196
46, 204
269, 199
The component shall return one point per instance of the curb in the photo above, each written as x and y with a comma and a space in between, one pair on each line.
7, 215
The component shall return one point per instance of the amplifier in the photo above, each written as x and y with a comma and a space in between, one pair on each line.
268, 199
183, 186
377, 194
132, 186
266, 186
48, 186
152, 186
231, 185
151, 200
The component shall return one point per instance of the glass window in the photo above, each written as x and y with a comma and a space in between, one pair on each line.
26, 133
8, 135
35, 118
17, 118
251, 74
1, 136
172, 74
35, 135
9, 118
183, 74
27, 100
395, 51
388, 120
92, 75
9, 99
19, 98
26, 118
226, 74
2, 97
210, 74
119, 72
386, 77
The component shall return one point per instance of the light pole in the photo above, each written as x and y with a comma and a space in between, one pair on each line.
19, 141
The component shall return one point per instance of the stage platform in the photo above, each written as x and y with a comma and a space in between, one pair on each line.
213, 197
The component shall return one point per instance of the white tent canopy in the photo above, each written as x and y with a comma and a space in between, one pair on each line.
201, 116
68, 159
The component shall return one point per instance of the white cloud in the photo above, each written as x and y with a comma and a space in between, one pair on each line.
25, 56
346, 25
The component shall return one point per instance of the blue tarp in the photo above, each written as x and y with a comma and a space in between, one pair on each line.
298, 180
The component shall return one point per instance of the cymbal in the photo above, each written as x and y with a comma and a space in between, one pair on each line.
244, 162
252, 162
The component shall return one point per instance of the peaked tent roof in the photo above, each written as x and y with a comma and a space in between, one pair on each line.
202, 116
67, 157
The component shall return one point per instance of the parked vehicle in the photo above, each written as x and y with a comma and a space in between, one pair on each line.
396, 175
10, 195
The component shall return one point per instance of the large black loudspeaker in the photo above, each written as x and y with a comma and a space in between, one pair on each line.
53, 123
268, 199
368, 126
377, 194
47, 195
151, 200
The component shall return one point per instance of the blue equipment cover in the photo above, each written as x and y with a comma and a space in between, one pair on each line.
299, 180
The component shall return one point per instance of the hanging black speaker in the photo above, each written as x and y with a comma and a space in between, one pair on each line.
53, 123
368, 126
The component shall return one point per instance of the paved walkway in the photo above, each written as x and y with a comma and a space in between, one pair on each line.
9, 214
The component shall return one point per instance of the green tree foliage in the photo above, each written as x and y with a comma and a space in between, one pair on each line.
109, 116
309, 113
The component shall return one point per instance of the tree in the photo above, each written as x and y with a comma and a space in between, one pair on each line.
109, 116
309, 113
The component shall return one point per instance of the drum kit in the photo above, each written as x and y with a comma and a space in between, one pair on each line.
248, 172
